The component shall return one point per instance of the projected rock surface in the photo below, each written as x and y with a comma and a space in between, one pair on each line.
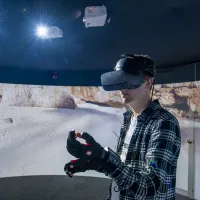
183, 99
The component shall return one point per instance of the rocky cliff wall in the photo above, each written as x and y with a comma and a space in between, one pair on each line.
182, 99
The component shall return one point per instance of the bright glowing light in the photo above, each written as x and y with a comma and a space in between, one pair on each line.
42, 31
49, 32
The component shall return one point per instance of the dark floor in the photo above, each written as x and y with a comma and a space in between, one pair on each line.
55, 188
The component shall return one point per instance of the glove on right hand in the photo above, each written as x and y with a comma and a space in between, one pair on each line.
76, 166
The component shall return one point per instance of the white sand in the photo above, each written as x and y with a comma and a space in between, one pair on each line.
34, 144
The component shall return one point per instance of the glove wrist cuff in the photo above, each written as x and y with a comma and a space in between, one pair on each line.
110, 160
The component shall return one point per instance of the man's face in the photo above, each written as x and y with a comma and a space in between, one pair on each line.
138, 95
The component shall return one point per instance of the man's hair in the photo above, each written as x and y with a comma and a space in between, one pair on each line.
147, 63
143, 61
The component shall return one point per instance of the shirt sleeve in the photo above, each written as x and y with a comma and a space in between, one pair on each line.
161, 157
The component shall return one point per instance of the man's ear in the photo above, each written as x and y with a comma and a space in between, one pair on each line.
148, 82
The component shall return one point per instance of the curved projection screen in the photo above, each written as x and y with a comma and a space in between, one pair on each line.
35, 121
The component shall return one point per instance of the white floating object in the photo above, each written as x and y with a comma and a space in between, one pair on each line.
95, 16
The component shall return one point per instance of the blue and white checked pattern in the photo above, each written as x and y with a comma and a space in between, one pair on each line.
149, 171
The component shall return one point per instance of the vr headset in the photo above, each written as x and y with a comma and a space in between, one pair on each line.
127, 73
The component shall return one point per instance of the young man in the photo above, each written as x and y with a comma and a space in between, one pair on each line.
144, 166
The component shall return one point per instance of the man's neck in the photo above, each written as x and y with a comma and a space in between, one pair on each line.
140, 107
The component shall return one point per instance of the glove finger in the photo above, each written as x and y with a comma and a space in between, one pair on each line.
89, 139
71, 140
70, 168
71, 148
78, 163
74, 166
70, 173
73, 152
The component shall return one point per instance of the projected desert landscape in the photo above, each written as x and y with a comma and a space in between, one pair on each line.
35, 121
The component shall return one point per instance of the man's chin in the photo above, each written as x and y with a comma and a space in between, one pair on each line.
126, 101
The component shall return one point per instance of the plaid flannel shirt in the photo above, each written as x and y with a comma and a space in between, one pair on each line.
149, 171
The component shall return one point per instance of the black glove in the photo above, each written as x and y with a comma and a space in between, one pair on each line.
92, 155
76, 166
90, 151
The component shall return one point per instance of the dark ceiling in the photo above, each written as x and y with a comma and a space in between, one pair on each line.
168, 31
